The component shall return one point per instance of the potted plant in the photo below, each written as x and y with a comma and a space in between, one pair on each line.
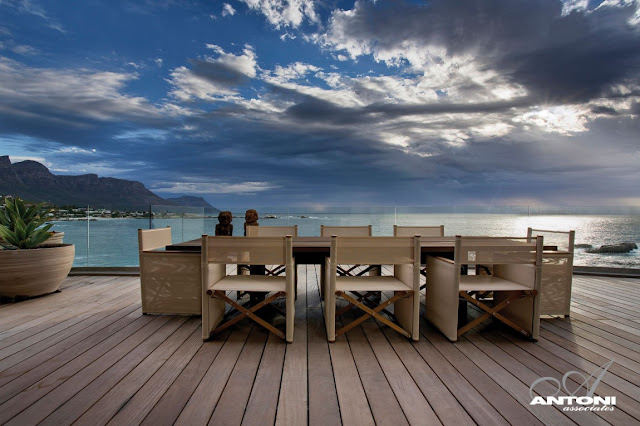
28, 268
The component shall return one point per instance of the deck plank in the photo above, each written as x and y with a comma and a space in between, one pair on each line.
501, 400
136, 407
263, 401
169, 407
203, 401
35, 365
123, 380
443, 402
293, 402
88, 355
40, 401
323, 397
233, 400
383, 402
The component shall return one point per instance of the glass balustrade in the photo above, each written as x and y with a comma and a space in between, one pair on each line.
102, 240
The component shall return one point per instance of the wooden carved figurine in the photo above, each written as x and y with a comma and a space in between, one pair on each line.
224, 227
250, 219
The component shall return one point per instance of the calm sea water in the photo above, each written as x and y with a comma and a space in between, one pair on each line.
113, 242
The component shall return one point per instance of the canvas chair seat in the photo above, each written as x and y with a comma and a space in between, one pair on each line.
370, 283
262, 283
488, 283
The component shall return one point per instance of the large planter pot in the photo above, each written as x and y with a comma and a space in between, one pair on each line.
36, 271
55, 239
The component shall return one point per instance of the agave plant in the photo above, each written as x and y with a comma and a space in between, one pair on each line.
21, 227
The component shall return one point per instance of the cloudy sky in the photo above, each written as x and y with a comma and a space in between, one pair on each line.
326, 102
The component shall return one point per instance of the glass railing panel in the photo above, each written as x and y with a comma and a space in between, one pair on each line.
105, 241
187, 223
76, 231
309, 219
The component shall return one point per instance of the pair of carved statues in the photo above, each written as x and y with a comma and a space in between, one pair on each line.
224, 227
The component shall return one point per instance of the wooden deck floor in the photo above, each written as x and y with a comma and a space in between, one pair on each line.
87, 356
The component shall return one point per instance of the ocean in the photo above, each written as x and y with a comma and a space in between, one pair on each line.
113, 242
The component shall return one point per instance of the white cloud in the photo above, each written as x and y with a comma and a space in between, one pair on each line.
569, 6
73, 94
228, 10
158, 61
29, 7
286, 36
143, 134
215, 187
244, 63
564, 120
16, 158
75, 150
294, 71
189, 86
25, 50
284, 13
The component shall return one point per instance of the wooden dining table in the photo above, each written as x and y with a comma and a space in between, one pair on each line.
182, 272
314, 250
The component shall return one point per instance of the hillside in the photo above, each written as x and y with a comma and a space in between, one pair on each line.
33, 181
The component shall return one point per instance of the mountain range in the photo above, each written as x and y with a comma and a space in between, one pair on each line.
33, 181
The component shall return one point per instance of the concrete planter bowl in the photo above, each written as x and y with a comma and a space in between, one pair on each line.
34, 272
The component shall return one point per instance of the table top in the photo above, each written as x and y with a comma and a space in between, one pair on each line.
313, 250
322, 243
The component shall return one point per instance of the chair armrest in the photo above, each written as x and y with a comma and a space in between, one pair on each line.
215, 272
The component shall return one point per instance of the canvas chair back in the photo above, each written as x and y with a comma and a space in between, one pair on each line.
562, 240
247, 250
494, 250
373, 250
423, 231
557, 271
345, 231
272, 231
169, 280
151, 239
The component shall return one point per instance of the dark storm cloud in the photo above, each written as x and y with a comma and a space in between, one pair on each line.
218, 73
567, 59
604, 110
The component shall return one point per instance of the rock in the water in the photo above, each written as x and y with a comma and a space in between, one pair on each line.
583, 246
615, 248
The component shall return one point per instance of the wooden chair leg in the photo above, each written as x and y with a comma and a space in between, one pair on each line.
373, 312
361, 297
248, 312
489, 312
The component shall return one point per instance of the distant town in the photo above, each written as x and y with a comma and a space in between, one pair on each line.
74, 212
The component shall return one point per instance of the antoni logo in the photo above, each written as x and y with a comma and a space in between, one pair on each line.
572, 402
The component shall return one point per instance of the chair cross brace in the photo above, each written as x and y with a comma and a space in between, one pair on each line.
279, 269
349, 272
364, 298
494, 312
244, 312
423, 272
375, 313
